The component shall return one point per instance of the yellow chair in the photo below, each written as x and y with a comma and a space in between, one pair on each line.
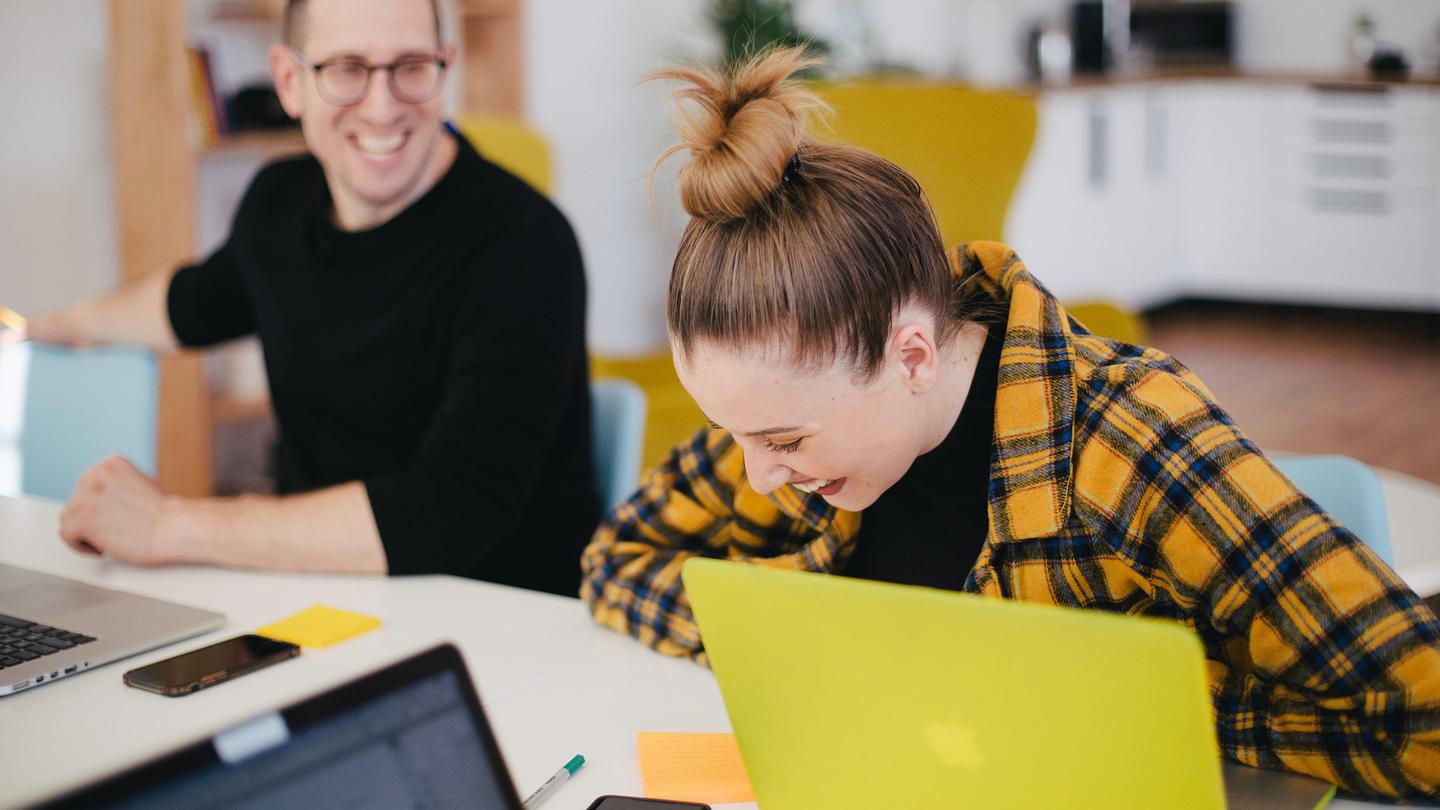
966, 147
512, 145
1110, 320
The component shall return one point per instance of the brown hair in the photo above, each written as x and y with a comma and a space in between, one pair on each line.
816, 243
292, 24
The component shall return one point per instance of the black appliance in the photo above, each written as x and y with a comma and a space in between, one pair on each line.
1183, 33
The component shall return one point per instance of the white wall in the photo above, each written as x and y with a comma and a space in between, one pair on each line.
582, 63
57, 223
1311, 35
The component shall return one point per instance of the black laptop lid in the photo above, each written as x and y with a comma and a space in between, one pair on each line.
411, 735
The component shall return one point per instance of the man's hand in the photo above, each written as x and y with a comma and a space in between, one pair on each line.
66, 327
117, 511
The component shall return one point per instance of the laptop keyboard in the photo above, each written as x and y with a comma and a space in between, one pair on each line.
22, 641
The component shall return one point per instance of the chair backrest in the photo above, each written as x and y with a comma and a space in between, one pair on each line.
966, 147
1110, 320
62, 411
617, 409
1348, 490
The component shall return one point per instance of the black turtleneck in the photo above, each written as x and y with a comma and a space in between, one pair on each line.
929, 527
438, 357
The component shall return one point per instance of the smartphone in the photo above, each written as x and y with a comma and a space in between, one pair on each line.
207, 666
637, 803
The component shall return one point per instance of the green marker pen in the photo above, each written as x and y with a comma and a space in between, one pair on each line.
553, 783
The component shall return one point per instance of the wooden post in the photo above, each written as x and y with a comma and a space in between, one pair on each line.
155, 209
494, 61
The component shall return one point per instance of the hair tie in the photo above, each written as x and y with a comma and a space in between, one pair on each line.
792, 169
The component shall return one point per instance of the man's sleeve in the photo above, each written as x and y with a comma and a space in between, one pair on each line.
1322, 660
518, 336
210, 302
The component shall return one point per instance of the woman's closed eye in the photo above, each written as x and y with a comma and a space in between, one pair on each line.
778, 447
787, 447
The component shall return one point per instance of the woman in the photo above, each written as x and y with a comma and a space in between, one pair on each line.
992, 445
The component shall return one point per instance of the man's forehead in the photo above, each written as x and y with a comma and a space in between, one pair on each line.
369, 27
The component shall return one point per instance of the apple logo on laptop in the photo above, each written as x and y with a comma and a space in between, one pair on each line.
953, 742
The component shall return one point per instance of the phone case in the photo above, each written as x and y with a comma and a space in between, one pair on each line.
180, 690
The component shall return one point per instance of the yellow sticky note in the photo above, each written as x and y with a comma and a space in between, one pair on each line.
319, 626
693, 767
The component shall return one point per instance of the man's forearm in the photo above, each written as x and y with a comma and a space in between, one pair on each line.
326, 530
135, 315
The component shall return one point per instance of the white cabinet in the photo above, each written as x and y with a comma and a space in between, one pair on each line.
1236, 189
1348, 195
1220, 171
1094, 216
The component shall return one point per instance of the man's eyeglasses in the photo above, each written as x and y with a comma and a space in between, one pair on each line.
344, 80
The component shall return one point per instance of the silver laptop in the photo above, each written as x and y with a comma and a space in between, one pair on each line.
51, 627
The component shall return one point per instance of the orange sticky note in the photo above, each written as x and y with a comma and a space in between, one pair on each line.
693, 767
319, 626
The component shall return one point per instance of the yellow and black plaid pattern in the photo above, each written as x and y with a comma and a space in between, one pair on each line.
1118, 484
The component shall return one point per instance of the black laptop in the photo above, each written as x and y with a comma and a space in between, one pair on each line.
411, 735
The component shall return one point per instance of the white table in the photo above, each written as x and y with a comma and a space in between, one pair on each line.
523, 649
553, 683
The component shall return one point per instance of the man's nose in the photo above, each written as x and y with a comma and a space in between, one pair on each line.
379, 103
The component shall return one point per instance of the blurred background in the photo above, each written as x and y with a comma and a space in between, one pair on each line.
1253, 185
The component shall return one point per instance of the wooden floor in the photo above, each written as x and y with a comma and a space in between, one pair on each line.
1310, 380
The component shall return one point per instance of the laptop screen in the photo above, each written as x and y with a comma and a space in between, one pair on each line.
409, 736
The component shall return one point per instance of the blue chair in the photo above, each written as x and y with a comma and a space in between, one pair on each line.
1347, 489
62, 411
617, 419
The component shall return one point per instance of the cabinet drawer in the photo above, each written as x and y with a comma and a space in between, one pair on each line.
1323, 129
1296, 161
1353, 100
1350, 258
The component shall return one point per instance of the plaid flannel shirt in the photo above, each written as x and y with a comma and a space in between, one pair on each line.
1116, 483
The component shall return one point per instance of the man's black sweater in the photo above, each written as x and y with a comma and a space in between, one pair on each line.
439, 358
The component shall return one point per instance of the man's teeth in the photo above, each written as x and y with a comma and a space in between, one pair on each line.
379, 146
812, 486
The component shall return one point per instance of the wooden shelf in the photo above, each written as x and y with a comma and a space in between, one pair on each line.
270, 143
249, 11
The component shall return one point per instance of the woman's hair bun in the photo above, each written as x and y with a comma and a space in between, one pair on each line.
742, 128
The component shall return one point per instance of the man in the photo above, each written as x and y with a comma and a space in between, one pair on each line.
421, 313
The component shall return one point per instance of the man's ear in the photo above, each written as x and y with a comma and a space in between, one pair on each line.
285, 72
916, 356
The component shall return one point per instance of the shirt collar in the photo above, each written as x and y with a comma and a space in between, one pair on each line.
1030, 480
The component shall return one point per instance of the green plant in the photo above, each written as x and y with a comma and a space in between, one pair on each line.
749, 26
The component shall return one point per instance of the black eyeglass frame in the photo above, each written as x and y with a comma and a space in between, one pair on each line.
370, 69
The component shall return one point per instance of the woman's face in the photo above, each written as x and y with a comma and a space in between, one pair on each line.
816, 430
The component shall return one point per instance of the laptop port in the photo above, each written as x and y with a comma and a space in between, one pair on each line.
69, 670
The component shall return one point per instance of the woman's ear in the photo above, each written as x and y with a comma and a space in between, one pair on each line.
915, 355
